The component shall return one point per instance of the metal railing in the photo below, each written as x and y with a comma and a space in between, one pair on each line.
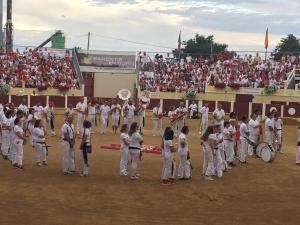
289, 83
77, 67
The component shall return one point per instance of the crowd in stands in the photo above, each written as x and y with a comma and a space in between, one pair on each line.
167, 75
37, 69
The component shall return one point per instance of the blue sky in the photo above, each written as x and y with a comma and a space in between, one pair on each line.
241, 24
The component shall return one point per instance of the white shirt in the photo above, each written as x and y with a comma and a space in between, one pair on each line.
36, 133
243, 131
67, 129
226, 134
268, 123
181, 111
49, 111
278, 124
204, 113
253, 130
182, 139
219, 114
157, 111
167, 146
80, 107
18, 129
69, 111
38, 112
131, 109
6, 123
92, 110
104, 109
115, 110
193, 107
124, 137
24, 108
135, 140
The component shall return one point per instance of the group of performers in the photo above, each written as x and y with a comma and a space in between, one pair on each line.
220, 138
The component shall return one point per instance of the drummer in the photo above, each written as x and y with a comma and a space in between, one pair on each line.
278, 131
269, 130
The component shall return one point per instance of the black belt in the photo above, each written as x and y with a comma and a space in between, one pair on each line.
298, 144
227, 140
134, 148
279, 129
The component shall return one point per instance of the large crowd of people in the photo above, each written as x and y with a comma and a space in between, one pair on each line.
37, 69
167, 75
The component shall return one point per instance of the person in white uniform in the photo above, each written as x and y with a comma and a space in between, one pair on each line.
19, 141
204, 118
69, 110
219, 116
124, 149
49, 113
253, 133
168, 170
135, 145
85, 147
173, 119
209, 146
278, 131
92, 113
104, 114
30, 125
130, 114
142, 113
23, 107
68, 142
193, 109
244, 140
229, 133
80, 108
157, 120
39, 141
184, 168
115, 115
6, 132
269, 130
38, 111
181, 112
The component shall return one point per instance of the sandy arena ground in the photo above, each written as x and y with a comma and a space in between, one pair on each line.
258, 193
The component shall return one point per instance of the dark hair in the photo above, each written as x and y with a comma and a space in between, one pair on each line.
37, 123
8, 113
232, 115
17, 120
208, 132
276, 115
87, 124
244, 118
169, 135
226, 123
123, 128
133, 128
166, 130
20, 113
185, 130
252, 114
30, 111
269, 114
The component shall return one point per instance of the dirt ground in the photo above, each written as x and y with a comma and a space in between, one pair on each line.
258, 193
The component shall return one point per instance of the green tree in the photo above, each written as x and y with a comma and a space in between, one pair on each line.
289, 45
201, 46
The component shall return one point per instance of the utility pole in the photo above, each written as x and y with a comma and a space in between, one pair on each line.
9, 27
88, 43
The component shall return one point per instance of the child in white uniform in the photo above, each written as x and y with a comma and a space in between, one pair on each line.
124, 137
18, 142
184, 168
85, 147
278, 130
209, 147
244, 140
38, 137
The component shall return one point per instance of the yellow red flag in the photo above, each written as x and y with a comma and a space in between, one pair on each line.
267, 39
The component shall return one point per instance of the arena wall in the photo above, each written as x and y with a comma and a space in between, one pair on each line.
107, 85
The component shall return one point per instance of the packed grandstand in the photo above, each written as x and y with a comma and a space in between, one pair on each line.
166, 75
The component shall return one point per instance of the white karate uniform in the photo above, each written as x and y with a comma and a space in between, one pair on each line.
104, 113
80, 108
49, 113
130, 115
38, 114
204, 118
219, 164
181, 121
134, 151
184, 168
143, 117
124, 154
244, 143
253, 134
30, 128
157, 122
229, 143
68, 164
220, 115
269, 135
168, 170
84, 165
173, 123
92, 114
278, 129
41, 152
17, 153
208, 157
193, 108
115, 114
5, 136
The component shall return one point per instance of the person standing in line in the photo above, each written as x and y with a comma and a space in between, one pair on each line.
39, 141
19, 141
104, 114
115, 115
23, 107
269, 130
228, 136
219, 116
49, 114
68, 142
209, 146
253, 133
278, 131
193, 109
217, 157
168, 170
124, 149
204, 118
30, 125
38, 111
135, 145
69, 110
130, 113
181, 112
244, 142
85, 147
184, 168
157, 120
173, 119
142, 113
92, 114
80, 108
6, 129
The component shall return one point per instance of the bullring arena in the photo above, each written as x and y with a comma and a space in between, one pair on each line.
257, 193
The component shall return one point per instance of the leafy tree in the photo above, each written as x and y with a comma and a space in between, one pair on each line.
201, 46
289, 45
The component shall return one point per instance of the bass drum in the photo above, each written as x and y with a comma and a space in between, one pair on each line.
269, 153
260, 147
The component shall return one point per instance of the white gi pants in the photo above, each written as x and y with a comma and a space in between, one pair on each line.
104, 121
5, 143
180, 124
269, 139
253, 138
169, 166
41, 153
218, 164
204, 125
298, 155
157, 127
173, 126
84, 165
129, 121
243, 150
229, 150
124, 161
208, 163
115, 120
68, 164
134, 154
184, 168
92, 119
279, 136
79, 123
17, 158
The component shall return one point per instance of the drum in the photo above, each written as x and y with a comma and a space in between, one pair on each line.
268, 155
259, 147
